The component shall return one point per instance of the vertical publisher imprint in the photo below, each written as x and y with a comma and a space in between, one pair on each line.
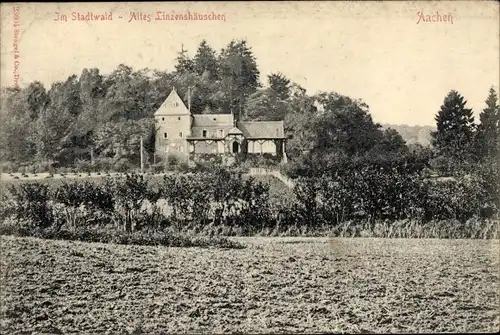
15, 45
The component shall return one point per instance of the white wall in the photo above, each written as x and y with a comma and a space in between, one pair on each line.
256, 148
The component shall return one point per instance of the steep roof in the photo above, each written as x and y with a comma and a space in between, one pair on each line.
262, 129
173, 105
250, 130
212, 120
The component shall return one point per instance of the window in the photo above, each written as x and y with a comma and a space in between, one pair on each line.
164, 135
215, 119
163, 119
221, 133
204, 133
179, 118
176, 104
180, 134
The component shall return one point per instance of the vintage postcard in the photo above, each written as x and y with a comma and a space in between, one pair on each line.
250, 167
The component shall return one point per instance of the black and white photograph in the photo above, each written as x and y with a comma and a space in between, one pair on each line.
250, 167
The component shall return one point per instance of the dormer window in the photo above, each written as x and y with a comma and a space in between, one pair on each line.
204, 133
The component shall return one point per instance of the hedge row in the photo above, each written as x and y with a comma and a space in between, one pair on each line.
365, 197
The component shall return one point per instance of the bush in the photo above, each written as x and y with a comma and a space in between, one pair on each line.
123, 166
84, 166
371, 200
158, 168
103, 164
215, 159
32, 203
182, 166
136, 238
9, 167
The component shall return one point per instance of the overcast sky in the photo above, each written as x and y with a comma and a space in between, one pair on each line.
371, 50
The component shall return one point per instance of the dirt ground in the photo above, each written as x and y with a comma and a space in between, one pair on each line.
276, 285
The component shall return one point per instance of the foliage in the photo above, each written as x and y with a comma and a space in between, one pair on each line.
280, 85
205, 61
488, 132
266, 105
455, 130
352, 198
31, 202
145, 238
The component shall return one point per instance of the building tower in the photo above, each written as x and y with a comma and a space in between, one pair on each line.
173, 124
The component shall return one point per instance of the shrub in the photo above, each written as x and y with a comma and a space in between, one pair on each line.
85, 234
172, 161
9, 167
368, 200
123, 165
32, 203
103, 164
158, 168
182, 166
83, 166
129, 194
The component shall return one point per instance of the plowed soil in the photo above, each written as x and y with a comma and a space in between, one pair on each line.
273, 286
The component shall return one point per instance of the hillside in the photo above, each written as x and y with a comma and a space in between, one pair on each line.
412, 134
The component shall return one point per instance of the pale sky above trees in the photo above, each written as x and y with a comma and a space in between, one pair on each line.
375, 51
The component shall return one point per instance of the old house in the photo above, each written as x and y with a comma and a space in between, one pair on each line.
191, 135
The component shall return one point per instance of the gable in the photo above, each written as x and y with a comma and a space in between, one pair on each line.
173, 105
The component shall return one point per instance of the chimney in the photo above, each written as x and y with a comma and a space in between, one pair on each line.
234, 119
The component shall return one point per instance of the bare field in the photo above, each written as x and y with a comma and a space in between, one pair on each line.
275, 285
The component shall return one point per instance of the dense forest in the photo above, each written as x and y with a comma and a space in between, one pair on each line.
98, 117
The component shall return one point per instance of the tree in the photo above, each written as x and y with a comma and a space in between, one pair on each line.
297, 122
126, 94
239, 74
453, 138
150, 140
184, 63
265, 105
161, 85
16, 127
331, 126
391, 143
488, 135
57, 122
205, 60
280, 85
345, 126
54, 129
36, 98
121, 140
92, 92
